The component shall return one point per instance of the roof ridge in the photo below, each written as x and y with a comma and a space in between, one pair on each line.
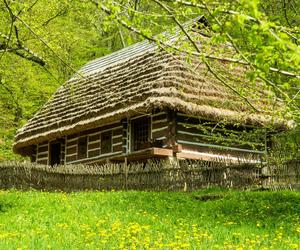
129, 52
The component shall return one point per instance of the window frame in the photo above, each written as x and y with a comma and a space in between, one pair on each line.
111, 142
133, 124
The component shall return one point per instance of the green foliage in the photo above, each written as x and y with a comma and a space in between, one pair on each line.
286, 146
150, 220
66, 35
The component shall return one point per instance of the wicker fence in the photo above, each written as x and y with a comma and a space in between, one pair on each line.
154, 175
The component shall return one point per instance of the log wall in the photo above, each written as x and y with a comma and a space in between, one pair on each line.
159, 129
196, 135
121, 140
94, 144
42, 153
167, 128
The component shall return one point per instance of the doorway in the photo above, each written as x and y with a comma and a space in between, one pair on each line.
55, 151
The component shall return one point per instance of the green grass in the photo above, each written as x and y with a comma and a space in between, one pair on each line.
150, 220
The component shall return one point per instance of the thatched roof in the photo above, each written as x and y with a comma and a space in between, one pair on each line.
138, 79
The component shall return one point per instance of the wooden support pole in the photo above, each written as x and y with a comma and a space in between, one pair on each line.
126, 173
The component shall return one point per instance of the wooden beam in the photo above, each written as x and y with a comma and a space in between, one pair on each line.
171, 133
159, 129
213, 157
161, 152
160, 113
145, 154
220, 147
160, 121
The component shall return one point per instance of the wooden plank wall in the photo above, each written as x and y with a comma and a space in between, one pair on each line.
193, 138
117, 139
94, 143
160, 129
121, 132
166, 129
42, 153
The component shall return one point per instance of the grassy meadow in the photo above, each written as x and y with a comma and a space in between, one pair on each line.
207, 219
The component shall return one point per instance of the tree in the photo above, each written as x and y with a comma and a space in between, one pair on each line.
42, 44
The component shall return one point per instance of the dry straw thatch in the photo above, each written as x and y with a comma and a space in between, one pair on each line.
137, 80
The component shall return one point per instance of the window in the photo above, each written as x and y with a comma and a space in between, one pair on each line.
106, 142
82, 148
33, 154
140, 133
55, 151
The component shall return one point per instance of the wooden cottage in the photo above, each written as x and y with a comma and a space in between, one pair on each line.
143, 102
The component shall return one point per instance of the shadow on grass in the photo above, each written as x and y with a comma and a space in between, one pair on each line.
240, 207
4, 207
272, 207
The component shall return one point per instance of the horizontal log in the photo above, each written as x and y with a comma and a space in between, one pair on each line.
162, 152
44, 148
72, 143
161, 133
202, 149
117, 140
186, 136
236, 138
117, 147
165, 120
95, 131
214, 157
70, 159
117, 132
226, 131
159, 125
159, 129
160, 116
145, 154
94, 145
93, 153
92, 160
42, 155
44, 144
72, 150
219, 147
93, 138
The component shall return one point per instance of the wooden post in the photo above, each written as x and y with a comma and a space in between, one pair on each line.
125, 136
126, 173
172, 129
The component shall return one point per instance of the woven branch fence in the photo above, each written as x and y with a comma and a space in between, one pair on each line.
164, 175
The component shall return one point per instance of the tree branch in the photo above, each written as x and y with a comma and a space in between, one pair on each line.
26, 53
253, 66
45, 43
139, 32
33, 58
204, 60
58, 14
32, 5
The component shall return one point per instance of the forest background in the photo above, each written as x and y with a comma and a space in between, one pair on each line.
43, 43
